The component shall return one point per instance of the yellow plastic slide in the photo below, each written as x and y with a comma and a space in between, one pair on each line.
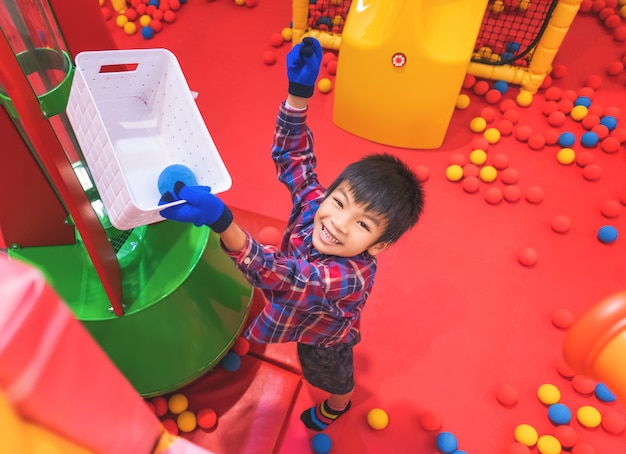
401, 67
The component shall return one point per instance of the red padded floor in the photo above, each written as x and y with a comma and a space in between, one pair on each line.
453, 314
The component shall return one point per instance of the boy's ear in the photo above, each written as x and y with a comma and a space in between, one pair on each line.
378, 248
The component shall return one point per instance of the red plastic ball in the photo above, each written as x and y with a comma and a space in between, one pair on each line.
534, 194
536, 141
619, 34
559, 71
206, 418
481, 87
169, 16
527, 256
507, 104
431, 421
565, 105
592, 172
107, 13
566, 435
610, 144
170, 425
494, 195
610, 208
587, 91
517, 448
556, 119
470, 170
509, 176
507, 395
160, 406
551, 136
331, 67
156, 25
174, 5
583, 385
593, 81
561, 224
512, 193
553, 94
505, 127
549, 107
584, 158
589, 121
523, 133
601, 130
269, 57
493, 96
276, 40
470, 184
269, 235
613, 422
469, 81
512, 115
562, 318
614, 68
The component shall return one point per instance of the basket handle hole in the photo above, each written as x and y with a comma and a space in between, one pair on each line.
118, 68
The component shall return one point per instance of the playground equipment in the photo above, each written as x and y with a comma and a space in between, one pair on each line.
401, 64
160, 299
401, 67
59, 392
523, 51
595, 345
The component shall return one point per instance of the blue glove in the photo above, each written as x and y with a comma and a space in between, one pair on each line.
303, 66
202, 207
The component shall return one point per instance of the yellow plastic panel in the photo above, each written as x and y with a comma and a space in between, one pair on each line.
410, 105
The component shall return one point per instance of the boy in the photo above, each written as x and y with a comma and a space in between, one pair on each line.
319, 280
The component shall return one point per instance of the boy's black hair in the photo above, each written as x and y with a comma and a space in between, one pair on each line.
386, 186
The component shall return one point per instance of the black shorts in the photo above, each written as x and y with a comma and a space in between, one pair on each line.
329, 368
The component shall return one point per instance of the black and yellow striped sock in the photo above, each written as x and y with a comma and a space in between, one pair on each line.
320, 417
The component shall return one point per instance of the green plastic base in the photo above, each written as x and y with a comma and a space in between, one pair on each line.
185, 302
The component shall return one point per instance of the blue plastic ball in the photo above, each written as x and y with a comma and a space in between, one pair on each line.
603, 393
459, 451
582, 101
559, 414
567, 139
501, 85
607, 234
154, 3
321, 444
171, 174
609, 121
447, 443
231, 362
507, 57
513, 47
147, 32
589, 139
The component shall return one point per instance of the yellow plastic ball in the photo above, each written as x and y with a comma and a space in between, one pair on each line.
589, 416
488, 174
478, 124
177, 403
463, 101
492, 135
145, 20
454, 172
286, 33
121, 20
324, 85
130, 28
377, 418
548, 394
622, 10
186, 421
478, 157
547, 444
526, 435
566, 156
524, 4
578, 113
101, 2
524, 98
240, 2
498, 6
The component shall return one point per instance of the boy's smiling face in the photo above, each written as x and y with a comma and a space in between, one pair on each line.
343, 228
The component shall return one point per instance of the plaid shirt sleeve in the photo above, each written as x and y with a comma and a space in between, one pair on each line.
292, 152
300, 283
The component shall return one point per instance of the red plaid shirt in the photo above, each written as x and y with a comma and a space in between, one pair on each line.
313, 298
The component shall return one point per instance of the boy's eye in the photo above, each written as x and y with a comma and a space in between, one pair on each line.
338, 202
363, 225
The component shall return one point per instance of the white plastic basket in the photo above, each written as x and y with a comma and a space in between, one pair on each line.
133, 115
